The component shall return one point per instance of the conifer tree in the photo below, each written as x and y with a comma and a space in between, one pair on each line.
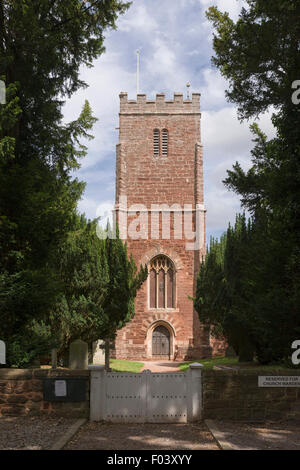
259, 56
124, 282
42, 47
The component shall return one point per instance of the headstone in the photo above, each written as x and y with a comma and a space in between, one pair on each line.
230, 352
2, 352
98, 354
78, 355
54, 358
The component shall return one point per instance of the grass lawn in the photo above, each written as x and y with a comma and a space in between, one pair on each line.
230, 361
125, 366
209, 363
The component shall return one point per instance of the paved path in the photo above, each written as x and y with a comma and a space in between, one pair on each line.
161, 366
264, 436
104, 436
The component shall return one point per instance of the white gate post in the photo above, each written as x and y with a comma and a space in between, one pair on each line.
97, 392
194, 405
147, 395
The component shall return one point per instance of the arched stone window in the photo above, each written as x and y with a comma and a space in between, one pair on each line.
156, 142
165, 142
162, 283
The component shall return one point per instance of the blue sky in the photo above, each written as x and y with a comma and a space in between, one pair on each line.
175, 40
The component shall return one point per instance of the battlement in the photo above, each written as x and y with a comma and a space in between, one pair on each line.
159, 106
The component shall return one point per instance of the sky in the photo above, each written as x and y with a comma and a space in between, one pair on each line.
175, 40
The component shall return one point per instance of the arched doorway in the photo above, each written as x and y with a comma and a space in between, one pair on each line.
161, 342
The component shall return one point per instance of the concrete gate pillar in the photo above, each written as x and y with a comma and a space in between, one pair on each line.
194, 395
97, 392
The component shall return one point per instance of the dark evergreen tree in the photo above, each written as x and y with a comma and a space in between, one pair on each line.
124, 282
42, 47
259, 55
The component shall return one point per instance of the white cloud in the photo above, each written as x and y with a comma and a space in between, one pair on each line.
88, 206
225, 137
222, 207
95, 176
176, 46
212, 89
233, 7
164, 67
138, 19
93, 209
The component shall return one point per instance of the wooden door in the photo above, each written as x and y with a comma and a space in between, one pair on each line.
161, 342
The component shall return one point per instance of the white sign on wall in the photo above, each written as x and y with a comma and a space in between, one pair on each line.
60, 388
279, 381
2, 352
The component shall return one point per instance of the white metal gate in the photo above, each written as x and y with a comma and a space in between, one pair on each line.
145, 397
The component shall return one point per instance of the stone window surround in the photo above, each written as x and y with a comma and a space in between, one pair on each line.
165, 269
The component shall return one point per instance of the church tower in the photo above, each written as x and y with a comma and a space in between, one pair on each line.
160, 212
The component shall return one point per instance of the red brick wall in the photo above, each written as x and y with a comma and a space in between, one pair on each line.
177, 179
21, 393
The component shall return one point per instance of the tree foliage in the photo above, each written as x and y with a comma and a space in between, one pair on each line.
259, 55
100, 283
43, 44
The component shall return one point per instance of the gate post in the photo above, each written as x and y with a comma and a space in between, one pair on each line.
97, 392
194, 396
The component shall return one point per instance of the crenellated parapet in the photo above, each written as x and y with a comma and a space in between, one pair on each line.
160, 105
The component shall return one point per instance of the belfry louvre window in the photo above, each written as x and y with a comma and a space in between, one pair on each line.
156, 142
164, 143
162, 283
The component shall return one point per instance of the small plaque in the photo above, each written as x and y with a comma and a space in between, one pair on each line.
60, 388
65, 389
279, 381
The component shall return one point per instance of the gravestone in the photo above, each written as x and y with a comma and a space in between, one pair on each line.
2, 352
98, 354
78, 355
54, 358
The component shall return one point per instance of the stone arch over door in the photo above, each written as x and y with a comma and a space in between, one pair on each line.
156, 327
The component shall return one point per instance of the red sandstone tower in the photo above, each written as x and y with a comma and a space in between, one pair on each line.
159, 200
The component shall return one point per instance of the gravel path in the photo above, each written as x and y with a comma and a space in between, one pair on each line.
31, 433
266, 436
104, 436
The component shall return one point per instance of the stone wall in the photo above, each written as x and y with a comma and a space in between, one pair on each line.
21, 393
235, 395
227, 394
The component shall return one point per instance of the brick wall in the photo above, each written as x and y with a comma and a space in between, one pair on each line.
235, 395
21, 393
